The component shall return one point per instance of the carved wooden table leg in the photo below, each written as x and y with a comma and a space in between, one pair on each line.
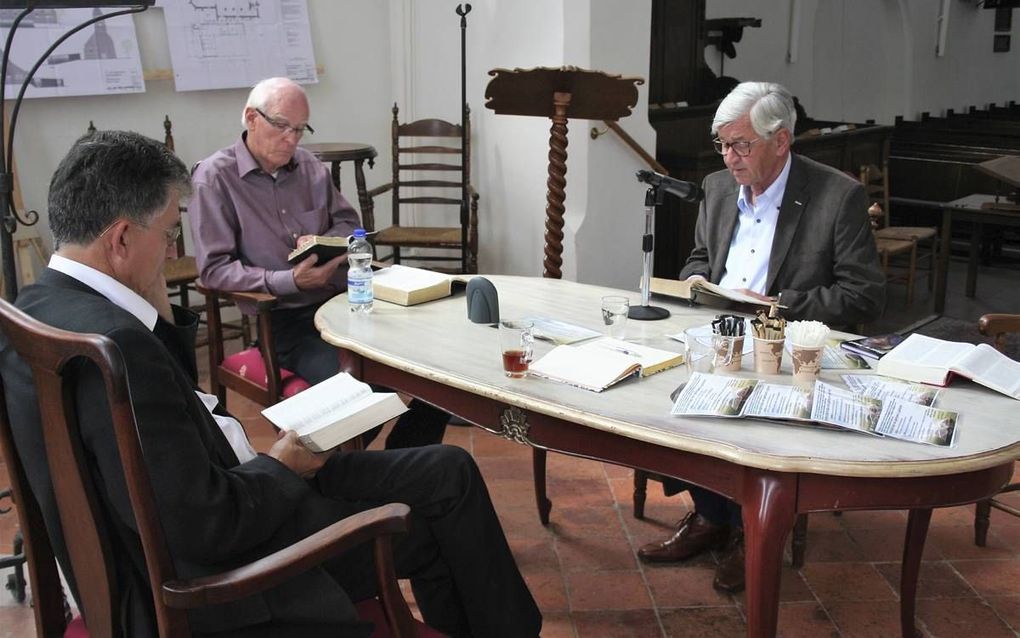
913, 547
556, 184
541, 500
769, 507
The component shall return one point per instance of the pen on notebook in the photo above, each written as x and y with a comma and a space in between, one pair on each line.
624, 351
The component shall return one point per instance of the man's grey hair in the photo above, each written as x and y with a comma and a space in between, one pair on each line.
770, 106
111, 175
264, 94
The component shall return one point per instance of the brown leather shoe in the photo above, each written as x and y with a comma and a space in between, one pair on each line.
694, 534
729, 574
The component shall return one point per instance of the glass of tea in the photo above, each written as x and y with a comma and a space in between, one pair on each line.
515, 344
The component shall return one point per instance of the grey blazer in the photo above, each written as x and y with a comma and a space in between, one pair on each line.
823, 260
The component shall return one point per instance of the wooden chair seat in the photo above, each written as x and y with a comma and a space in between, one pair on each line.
906, 233
418, 236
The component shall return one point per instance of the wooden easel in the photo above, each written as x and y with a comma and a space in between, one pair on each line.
560, 94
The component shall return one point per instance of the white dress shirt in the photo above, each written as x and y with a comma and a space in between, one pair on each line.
747, 264
122, 296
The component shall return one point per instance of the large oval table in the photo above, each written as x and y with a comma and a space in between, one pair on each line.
775, 471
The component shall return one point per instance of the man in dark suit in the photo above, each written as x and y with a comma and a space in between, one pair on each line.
113, 208
779, 227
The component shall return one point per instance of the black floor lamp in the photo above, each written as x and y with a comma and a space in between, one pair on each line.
8, 215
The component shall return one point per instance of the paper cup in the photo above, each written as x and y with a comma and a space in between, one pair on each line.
807, 363
768, 355
729, 353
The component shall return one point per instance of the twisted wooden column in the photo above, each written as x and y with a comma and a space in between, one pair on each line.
556, 185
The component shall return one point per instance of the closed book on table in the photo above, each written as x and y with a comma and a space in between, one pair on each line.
325, 247
407, 286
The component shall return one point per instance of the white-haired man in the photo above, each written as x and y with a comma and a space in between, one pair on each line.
253, 203
776, 226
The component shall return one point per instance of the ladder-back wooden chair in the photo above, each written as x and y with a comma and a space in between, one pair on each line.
53, 355
998, 326
889, 248
427, 174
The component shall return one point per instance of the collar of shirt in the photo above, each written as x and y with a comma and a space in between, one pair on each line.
246, 162
118, 294
773, 195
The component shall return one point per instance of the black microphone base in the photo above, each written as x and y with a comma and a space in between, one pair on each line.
647, 313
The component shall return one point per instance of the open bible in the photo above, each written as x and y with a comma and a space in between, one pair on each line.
334, 411
930, 360
325, 247
704, 292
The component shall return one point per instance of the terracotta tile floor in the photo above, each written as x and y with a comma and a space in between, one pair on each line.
583, 571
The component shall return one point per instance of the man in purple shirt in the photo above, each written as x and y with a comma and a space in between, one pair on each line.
253, 203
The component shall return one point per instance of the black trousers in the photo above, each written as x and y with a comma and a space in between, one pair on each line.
717, 509
462, 571
302, 351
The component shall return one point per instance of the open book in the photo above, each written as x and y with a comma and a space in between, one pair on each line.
705, 292
930, 360
325, 247
407, 286
334, 411
884, 408
600, 363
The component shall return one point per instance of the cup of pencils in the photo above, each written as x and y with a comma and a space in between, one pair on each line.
728, 342
769, 333
807, 339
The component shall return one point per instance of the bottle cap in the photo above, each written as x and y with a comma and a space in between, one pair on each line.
359, 232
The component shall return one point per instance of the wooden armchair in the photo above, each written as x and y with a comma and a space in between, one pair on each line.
53, 355
255, 372
997, 326
420, 181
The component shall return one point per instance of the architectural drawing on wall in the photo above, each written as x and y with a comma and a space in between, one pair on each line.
100, 59
223, 44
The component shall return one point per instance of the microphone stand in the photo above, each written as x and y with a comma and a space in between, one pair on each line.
645, 312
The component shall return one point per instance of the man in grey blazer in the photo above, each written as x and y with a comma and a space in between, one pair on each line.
776, 226
113, 208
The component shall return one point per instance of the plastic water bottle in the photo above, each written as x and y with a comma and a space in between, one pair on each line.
359, 274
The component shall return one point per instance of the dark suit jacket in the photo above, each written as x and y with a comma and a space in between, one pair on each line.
823, 260
216, 513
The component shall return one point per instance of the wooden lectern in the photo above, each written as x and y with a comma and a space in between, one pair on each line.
560, 94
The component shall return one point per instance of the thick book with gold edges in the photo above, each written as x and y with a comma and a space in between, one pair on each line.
598, 364
334, 411
407, 286
325, 247
706, 293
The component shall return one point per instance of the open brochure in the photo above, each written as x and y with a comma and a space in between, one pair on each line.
598, 364
407, 286
930, 360
826, 404
334, 411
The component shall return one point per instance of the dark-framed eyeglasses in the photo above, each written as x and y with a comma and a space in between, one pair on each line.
285, 127
741, 148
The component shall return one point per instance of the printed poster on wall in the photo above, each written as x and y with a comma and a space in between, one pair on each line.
223, 44
100, 59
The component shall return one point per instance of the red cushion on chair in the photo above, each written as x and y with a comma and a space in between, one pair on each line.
371, 610
76, 629
248, 364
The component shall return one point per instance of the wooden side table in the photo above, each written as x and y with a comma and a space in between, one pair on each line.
336, 152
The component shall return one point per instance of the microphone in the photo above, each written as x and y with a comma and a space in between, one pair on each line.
687, 191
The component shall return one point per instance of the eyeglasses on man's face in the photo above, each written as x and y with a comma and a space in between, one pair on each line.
170, 235
741, 148
284, 127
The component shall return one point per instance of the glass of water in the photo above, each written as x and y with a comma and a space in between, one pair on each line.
614, 314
